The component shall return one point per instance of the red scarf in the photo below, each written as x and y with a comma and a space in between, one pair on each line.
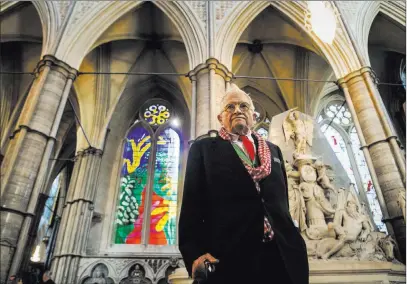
264, 169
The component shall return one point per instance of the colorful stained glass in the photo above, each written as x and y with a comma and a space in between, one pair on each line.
156, 114
165, 185
367, 182
133, 182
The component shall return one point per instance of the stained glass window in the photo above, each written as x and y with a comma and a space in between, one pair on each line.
156, 114
45, 222
403, 73
262, 120
149, 194
338, 145
367, 182
164, 201
339, 113
133, 182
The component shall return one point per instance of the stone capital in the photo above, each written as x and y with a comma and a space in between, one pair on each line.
211, 63
57, 65
91, 151
357, 74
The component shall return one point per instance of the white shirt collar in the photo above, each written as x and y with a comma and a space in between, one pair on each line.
235, 137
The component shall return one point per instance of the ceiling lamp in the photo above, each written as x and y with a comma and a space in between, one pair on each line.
320, 18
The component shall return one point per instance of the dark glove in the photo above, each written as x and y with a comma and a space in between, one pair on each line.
203, 272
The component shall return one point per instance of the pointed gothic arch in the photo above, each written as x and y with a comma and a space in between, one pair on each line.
369, 10
75, 44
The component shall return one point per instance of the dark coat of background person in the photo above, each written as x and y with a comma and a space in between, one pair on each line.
222, 214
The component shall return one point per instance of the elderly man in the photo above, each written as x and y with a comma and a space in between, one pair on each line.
235, 209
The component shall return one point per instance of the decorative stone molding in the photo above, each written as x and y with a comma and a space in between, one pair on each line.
201, 9
222, 8
211, 63
58, 65
122, 269
63, 7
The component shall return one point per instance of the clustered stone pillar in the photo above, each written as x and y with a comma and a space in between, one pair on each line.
24, 168
209, 81
378, 148
76, 216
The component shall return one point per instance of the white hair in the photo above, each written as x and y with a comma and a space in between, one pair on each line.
234, 90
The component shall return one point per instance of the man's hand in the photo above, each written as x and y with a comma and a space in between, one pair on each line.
199, 262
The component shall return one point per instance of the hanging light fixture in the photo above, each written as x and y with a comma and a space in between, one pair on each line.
320, 18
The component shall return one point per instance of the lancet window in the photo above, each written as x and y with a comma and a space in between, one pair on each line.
337, 125
147, 199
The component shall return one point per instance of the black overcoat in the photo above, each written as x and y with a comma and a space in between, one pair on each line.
222, 214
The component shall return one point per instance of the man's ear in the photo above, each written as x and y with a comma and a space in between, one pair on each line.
220, 118
254, 117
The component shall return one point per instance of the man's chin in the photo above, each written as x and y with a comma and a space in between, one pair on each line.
240, 129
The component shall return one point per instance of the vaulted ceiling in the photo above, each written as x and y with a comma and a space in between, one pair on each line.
273, 46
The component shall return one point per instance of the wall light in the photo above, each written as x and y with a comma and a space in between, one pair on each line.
175, 122
36, 255
320, 18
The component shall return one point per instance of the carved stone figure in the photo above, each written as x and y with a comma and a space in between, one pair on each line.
295, 198
137, 276
355, 226
387, 244
377, 247
298, 130
317, 206
323, 179
99, 276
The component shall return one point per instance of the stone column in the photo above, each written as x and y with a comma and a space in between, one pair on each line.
377, 147
210, 79
76, 217
26, 160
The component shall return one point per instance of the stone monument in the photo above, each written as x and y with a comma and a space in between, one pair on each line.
339, 234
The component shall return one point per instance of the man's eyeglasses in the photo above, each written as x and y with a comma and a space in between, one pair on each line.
231, 108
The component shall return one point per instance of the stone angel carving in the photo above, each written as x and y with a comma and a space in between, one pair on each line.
299, 130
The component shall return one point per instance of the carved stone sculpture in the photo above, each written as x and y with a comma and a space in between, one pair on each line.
137, 276
323, 179
99, 275
298, 130
332, 221
295, 198
353, 226
317, 206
